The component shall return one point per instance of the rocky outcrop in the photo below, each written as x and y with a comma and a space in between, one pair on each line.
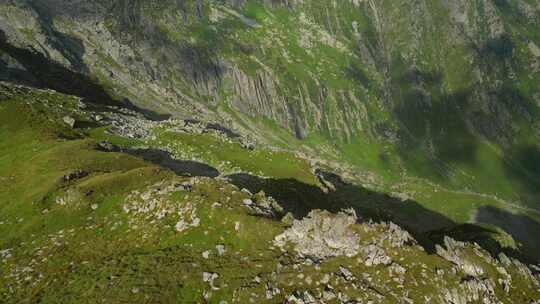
396, 236
321, 235
375, 255
453, 252
471, 291
155, 204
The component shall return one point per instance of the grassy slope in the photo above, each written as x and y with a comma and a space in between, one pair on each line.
80, 252
34, 160
74, 251
229, 157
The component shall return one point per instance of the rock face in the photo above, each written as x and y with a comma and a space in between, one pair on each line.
75, 175
375, 255
70, 121
471, 291
147, 54
397, 236
321, 235
453, 253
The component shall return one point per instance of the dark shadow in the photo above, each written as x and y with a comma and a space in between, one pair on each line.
71, 48
523, 165
498, 48
427, 227
438, 130
11, 71
515, 15
432, 129
52, 75
355, 72
529, 157
429, 116
86, 124
521, 227
485, 237
502, 4
201, 60
164, 159
180, 167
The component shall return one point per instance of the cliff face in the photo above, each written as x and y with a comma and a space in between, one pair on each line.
444, 88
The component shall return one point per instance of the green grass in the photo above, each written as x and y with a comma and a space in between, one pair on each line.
83, 248
91, 250
439, 167
34, 161
369, 155
230, 157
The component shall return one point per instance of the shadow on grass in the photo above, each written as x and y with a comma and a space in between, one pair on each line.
300, 198
164, 159
523, 229
528, 157
428, 227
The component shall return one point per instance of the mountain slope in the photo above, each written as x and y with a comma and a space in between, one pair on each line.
444, 91
428, 111
84, 219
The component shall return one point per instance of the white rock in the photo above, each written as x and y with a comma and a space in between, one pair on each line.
220, 249
322, 235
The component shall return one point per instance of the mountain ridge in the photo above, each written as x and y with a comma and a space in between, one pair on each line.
111, 219
422, 108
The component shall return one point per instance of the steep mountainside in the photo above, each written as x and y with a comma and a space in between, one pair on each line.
429, 111
434, 89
